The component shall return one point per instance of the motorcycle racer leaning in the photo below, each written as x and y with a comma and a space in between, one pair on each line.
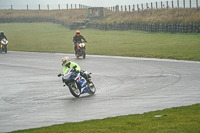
66, 63
77, 39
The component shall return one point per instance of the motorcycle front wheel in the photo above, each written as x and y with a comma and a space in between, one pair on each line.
5, 49
75, 91
92, 88
83, 54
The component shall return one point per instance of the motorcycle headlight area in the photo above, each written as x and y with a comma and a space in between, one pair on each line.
82, 45
4, 41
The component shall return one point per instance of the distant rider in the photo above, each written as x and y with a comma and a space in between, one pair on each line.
2, 36
66, 63
77, 39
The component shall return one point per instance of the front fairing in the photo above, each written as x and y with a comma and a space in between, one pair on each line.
81, 46
4, 42
69, 76
82, 82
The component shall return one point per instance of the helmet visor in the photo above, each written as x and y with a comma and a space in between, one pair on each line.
65, 62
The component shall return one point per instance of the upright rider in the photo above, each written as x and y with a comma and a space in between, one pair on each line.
77, 39
2, 35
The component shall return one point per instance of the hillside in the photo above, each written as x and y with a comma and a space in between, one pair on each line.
155, 16
151, 16
67, 16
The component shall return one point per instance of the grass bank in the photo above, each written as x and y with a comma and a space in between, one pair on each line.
155, 16
47, 37
67, 16
150, 16
175, 120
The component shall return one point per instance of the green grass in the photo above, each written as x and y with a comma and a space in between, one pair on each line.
184, 119
47, 37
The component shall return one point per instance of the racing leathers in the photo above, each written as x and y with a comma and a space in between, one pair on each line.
2, 36
77, 39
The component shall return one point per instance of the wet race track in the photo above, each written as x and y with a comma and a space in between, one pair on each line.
31, 94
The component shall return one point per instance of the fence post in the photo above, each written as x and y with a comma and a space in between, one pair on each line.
48, 7
161, 4
147, 5
11, 7
39, 6
197, 3
178, 3
129, 8
190, 4
27, 7
167, 5
58, 6
172, 4
133, 7
151, 5
142, 6
71, 6
138, 7
184, 4
156, 5
67, 6
75, 6
125, 8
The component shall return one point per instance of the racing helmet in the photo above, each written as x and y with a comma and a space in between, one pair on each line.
77, 32
2, 32
65, 61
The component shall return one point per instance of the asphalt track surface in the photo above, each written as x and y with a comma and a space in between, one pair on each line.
31, 94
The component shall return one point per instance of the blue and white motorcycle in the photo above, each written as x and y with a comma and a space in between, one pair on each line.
78, 84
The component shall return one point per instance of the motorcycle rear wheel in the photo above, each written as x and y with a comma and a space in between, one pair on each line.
75, 91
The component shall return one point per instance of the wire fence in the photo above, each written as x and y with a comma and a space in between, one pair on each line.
156, 5
134, 7
43, 7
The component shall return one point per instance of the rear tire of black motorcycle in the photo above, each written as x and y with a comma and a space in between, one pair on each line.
83, 54
72, 91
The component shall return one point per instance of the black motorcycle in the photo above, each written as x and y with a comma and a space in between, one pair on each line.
81, 47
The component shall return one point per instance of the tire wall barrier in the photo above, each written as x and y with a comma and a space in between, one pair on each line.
167, 28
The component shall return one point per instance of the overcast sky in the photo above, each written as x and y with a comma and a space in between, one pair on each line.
84, 2
4, 4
